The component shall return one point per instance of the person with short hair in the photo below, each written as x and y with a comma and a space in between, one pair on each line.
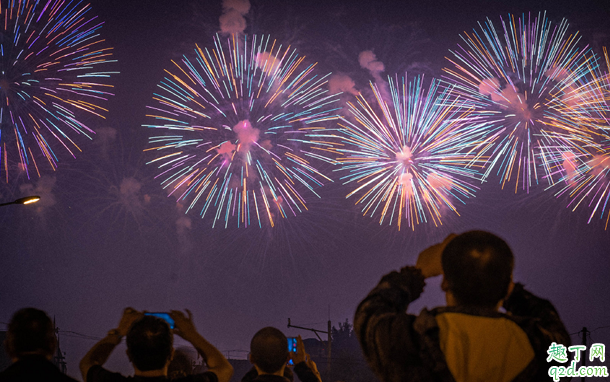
150, 350
269, 354
31, 343
469, 339
149, 344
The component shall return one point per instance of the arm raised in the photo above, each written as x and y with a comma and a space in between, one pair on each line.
217, 363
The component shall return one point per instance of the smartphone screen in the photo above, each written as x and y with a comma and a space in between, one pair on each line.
164, 316
292, 347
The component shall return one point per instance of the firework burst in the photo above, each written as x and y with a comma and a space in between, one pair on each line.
584, 171
240, 130
51, 62
412, 157
518, 77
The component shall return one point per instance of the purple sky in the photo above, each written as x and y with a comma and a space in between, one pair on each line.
88, 253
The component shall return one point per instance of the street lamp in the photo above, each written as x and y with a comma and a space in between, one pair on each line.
25, 200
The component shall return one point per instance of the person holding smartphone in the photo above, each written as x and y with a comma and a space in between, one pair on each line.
270, 356
150, 350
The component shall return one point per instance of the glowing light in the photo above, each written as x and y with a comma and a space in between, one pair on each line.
24, 200
30, 200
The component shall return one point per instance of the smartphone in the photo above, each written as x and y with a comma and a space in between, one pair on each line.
292, 347
163, 316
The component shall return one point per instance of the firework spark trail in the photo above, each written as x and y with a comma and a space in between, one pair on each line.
51, 58
514, 76
413, 156
584, 172
243, 125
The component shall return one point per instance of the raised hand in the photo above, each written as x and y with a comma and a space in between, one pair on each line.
184, 326
130, 315
429, 260
300, 355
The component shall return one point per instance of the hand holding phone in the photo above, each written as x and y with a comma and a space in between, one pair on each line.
298, 354
185, 327
130, 315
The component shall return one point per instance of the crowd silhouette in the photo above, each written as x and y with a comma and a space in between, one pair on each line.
491, 329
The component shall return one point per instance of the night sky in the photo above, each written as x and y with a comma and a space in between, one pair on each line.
87, 251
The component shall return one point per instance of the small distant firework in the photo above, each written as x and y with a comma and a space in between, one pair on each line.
411, 157
236, 130
585, 169
51, 59
517, 77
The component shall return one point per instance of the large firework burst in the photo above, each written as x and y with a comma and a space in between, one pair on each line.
51, 63
517, 76
236, 130
411, 156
